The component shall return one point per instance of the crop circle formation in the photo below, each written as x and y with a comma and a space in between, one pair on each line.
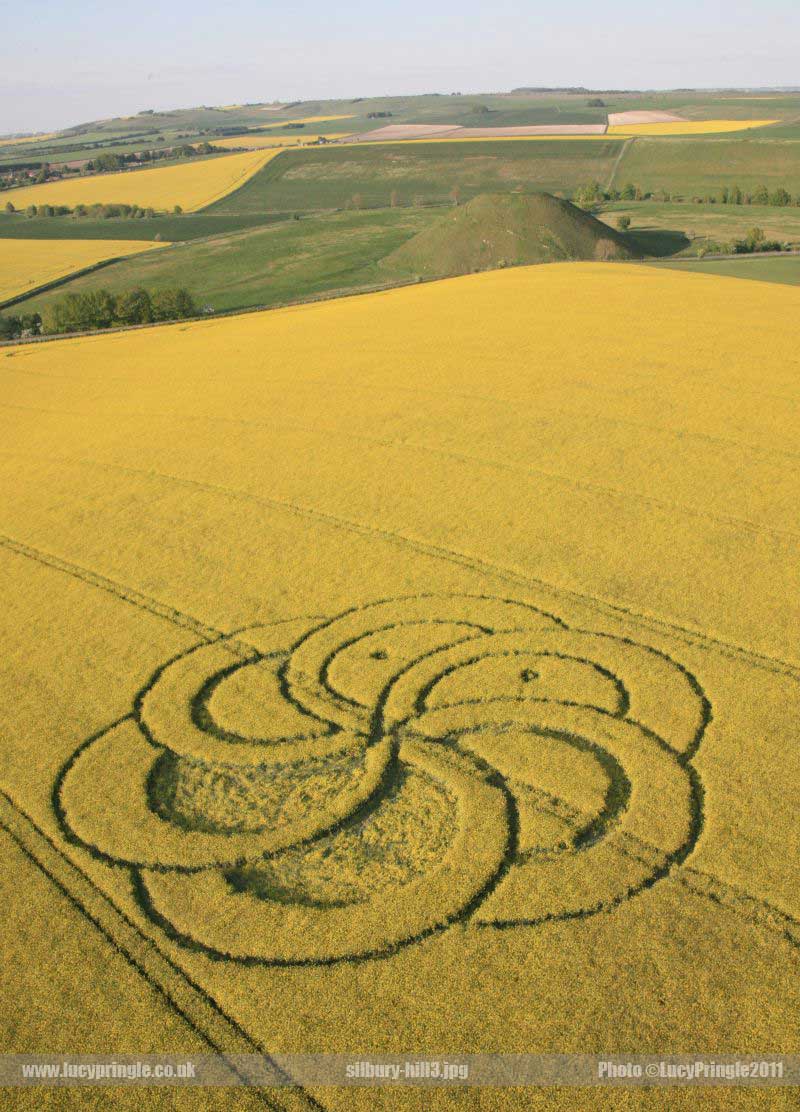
315, 791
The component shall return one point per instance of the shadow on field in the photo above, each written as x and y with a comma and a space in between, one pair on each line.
658, 242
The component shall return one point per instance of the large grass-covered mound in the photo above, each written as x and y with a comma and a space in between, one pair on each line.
496, 230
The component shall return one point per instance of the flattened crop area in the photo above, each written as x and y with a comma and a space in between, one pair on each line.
418, 669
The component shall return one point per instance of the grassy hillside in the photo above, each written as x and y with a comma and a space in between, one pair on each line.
424, 173
266, 266
700, 166
507, 230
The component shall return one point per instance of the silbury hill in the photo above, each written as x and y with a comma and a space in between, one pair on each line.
513, 229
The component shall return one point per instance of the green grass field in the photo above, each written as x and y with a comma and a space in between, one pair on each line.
701, 165
425, 172
267, 266
667, 228
785, 271
172, 229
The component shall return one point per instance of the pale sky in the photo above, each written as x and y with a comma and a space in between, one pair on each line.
63, 64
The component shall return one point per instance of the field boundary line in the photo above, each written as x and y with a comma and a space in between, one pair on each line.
766, 661
572, 483
123, 593
191, 1002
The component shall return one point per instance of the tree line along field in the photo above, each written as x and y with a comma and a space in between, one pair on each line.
536, 766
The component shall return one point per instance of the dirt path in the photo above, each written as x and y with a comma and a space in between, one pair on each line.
616, 165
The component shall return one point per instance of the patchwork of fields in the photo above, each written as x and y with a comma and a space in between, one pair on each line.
417, 669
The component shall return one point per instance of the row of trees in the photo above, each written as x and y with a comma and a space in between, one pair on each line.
84, 312
109, 163
754, 241
95, 212
592, 193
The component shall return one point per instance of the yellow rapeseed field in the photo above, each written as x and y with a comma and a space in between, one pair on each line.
26, 264
305, 120
689, 127
414, 672
28, 139
192, 185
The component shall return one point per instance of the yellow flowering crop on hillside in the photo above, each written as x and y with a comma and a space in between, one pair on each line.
192, 185
412, 673
29, 139
26, 264
689, 127
305, 120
